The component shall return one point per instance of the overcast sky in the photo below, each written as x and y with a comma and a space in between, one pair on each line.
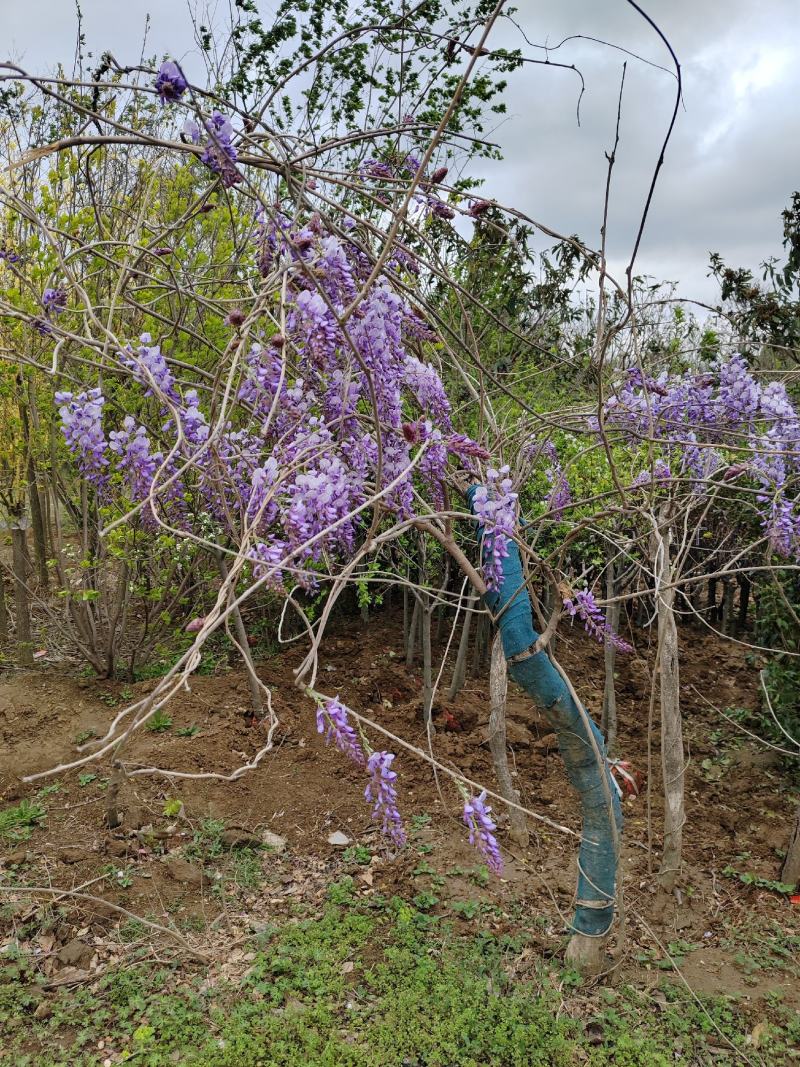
731, 167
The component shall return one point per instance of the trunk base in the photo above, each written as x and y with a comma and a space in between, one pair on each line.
587, 955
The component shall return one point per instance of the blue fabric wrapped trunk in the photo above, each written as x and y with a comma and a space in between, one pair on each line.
601, 824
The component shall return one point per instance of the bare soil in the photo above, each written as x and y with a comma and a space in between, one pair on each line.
739, 805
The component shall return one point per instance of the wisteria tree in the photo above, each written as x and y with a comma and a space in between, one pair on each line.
258, 368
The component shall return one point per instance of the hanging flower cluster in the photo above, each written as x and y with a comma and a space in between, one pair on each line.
595, 623
334, 723
495, 506
481, 825
696, 417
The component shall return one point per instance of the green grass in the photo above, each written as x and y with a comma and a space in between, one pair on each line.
19, 822
371, 984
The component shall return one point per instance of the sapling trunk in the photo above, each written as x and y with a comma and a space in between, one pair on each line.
478, 651
744, 601
21, 600
37, 522
672, 761
4, 631
728, 589
609, 718
427, 665
791, 865
460, 668
498, 689
411, 638
244, 645
711, 602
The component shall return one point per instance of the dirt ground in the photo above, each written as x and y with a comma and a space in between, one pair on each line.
739, 807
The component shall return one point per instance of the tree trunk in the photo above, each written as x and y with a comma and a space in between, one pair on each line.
498, 688
479, 648
744, 601
728, 620
791, 866
21, 600
411, 638
672, 761
37, 522
4, 631
427, 666
460, 669
241, 637
609, 719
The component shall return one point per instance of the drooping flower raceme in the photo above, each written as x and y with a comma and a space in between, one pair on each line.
220, 155
82, 426
333, 721
478, 818
381, 793
595, 623
132, 445
495, 505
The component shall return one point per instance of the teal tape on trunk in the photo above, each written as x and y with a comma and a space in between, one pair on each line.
601, 827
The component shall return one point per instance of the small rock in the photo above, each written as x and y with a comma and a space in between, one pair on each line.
75, 953
115, 847
133, 818
338, 838
519, 735
273, 841
44, 1009
548, 743
13, 859
180, 870
71, 855
237, 838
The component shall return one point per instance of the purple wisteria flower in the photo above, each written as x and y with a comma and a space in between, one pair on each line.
170, 83
82, 426
560, 494
266, 559
8, 254
132, 445
150, 368
478, 818
54, 301
586, 608
191, 131
220, 155
495, 505
333, 721
381, 793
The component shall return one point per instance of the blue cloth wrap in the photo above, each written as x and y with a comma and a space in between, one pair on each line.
598, 857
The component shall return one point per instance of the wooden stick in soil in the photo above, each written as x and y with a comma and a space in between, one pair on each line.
672, 761
498, 689
4, 629
790, 873
19, 564
411, 636
427, 667
460, 669
609, 719
244, 648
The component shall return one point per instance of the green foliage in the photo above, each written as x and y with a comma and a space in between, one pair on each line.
352, 988
778, 627
757, 882
160, 722
18, 823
